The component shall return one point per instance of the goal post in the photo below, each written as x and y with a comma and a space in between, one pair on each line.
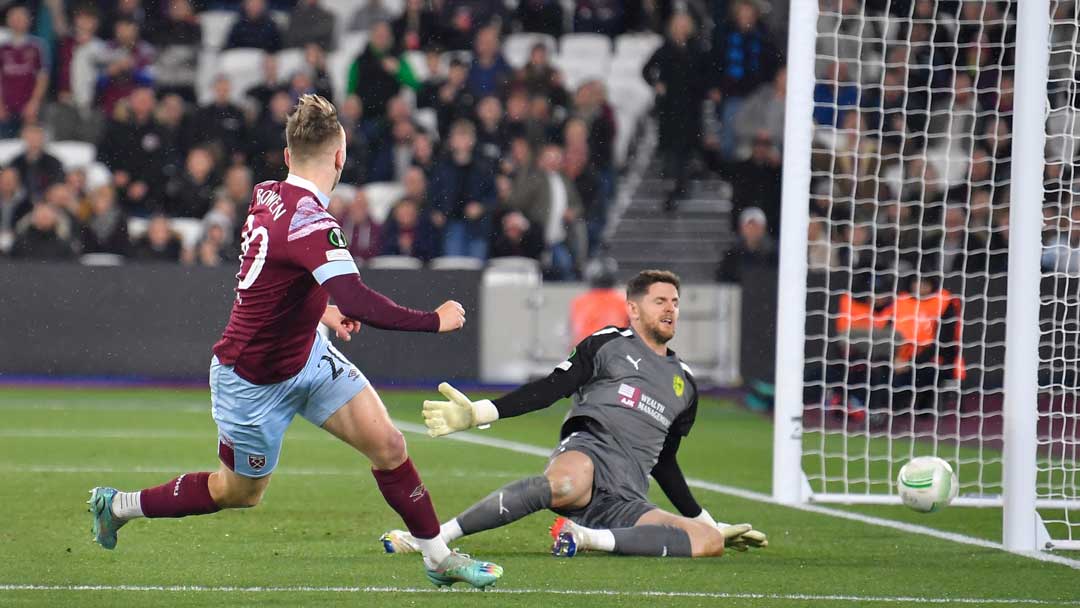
929, 284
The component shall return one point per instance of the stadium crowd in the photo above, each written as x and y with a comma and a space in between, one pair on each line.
485, 159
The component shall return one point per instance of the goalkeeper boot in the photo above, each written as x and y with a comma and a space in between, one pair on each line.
399, 541
459, 567
105, 523
568, 539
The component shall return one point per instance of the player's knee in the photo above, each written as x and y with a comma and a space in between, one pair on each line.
566, 488
391, 451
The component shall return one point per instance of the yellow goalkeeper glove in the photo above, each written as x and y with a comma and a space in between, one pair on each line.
457, 414
740, 537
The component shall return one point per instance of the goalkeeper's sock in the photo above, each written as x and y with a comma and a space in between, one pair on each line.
188, 494
654, 541
507, 504
127, 505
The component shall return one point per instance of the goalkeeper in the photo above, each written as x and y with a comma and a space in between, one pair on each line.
633, 402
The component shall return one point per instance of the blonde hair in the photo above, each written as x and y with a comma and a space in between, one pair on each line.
312, 125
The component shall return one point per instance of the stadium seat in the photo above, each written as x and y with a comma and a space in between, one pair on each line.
518, 271
9, 150
101, 259
394, 262
347, 192
352, 44
189, 229
587, 48
289, 62
577, 72
73, 154
337, 65
97, 175
5, 35
244, 67
456, 262
215, 27
516, 47
639, 46
381, 197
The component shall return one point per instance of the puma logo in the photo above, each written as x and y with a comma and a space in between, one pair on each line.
635, 363
502, 509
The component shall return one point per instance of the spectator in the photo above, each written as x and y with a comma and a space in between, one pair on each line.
255, 29
586, 180
369, 15
517, 238
362, 232
541, 16
43, 237
492, 141
125, 65
416, 28
191, 193
24, 73
355, 170
677, 71
236, 190
268, 140
754, 251
221, 123
177, 131
14, 205
834, 92
755, 182
268, 85
551, 202
463, 193
539, 77
408, 232
414, 182
449, 96
762, 114
1062, 253
599, 17
423, 154
132, 148
380, 73
392, 145
465, 19
38, 168
602, 305
159, 244
76, 53
310, 23
214, 246
489, 73
178, 40
105, 231
316, 70
744, 59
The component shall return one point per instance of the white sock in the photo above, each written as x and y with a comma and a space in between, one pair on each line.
451, 531
127, 505
435, 551
597, 540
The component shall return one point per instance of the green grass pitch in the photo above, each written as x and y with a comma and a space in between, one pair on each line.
319, 524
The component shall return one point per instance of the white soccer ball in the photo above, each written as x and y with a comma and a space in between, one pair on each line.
927, 484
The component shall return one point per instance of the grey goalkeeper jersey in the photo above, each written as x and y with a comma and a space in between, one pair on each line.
636, 395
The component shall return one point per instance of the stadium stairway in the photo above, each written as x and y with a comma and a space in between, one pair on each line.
689, 241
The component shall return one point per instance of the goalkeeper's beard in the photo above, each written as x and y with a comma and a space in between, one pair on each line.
657, 333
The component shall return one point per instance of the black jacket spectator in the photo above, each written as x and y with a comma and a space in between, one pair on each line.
178, 39
39, 172
255, 29
517, 238
417, 28
221, 123
159, 244
105, 231
754, 251
543, 16
310, 23
42, 238
453, 186
135, 149
408, 232
191, 194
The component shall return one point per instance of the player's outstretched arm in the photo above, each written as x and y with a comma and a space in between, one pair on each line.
358, 301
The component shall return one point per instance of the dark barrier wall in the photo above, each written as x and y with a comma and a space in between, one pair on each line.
161, 321
984, 324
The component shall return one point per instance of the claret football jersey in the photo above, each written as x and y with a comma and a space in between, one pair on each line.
290, 246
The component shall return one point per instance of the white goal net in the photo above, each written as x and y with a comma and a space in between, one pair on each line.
911, 192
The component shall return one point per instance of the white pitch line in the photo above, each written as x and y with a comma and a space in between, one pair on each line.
525, 448
795, 597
